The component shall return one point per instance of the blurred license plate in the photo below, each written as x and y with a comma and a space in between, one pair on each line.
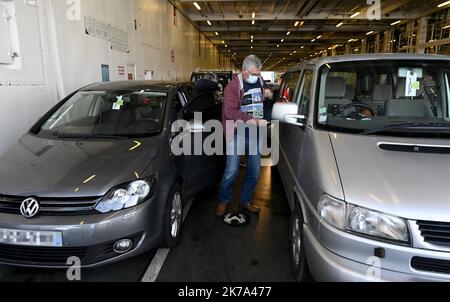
31, 238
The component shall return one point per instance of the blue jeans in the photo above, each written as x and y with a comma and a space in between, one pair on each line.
253, 155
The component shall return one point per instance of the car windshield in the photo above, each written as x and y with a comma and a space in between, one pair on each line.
404, 97
90, 114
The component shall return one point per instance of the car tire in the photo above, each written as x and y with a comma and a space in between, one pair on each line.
301, 270
173, 217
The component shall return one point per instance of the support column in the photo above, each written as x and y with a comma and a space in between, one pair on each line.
348, 49
363, 46
421, 38
377, 43
387, 41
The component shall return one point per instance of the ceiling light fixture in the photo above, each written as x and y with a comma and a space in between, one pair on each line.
197, 6
216, 33
396, 22
340, 24
355, 15
253, 15
318, 37
444, 4
253, 22
369, 33
288, 33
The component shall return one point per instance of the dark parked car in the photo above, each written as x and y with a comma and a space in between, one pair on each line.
223, 77
95, 177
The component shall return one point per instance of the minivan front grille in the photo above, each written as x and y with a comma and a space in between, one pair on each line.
435, 232
431, 265
52, 206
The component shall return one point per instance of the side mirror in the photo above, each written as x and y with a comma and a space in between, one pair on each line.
288, 113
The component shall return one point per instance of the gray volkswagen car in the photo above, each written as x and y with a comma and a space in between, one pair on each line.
95, 177
365, 159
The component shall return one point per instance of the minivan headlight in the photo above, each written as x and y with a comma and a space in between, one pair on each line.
351, 218
377, 224
126, 196
333, 211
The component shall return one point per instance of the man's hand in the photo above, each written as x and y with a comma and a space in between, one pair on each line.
268, 94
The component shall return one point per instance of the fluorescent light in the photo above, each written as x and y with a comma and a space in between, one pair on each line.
278, 45
313, 40
226, 46
444, 4
253, 22
340, 24
253, 15
251, 37
216, 33
223, 42
302, 47
209, 22
251, 41
318, 37
369, 33
445, 27
282, 40
295, 51
297, 23
396, 22
197, 6
288, 33
355, 15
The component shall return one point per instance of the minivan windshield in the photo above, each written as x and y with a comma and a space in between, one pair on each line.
403, 97
107, 114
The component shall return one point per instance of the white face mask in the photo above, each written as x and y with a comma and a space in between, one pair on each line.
252, 79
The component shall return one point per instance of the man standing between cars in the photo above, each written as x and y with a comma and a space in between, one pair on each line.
243, 101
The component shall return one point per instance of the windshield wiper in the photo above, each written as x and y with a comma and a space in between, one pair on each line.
407, 126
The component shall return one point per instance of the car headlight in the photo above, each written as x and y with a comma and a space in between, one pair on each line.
126, 196
333, 211
377, 224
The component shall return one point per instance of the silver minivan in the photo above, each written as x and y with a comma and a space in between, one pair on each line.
365, 162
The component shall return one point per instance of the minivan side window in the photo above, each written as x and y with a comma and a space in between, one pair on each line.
304, 99
289, 91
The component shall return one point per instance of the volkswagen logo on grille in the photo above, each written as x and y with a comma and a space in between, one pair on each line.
29, 208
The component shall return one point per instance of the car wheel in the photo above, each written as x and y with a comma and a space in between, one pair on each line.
173, 217
301, 269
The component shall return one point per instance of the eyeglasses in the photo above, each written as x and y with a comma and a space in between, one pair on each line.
252, 74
